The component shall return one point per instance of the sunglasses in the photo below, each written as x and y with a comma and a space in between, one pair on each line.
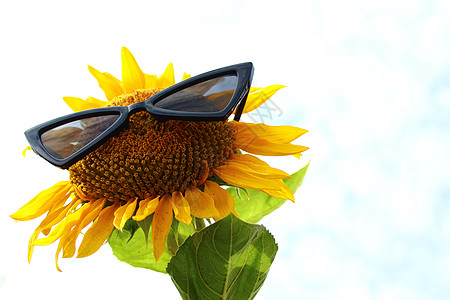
211, 96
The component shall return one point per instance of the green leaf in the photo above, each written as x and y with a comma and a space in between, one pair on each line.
254, 205
130, 245
145, 225
131, 227
229, 259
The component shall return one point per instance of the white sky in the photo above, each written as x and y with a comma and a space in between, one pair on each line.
370, 80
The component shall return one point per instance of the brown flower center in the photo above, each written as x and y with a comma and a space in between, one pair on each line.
152, 158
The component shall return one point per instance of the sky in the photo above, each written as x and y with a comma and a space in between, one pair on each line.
370, 80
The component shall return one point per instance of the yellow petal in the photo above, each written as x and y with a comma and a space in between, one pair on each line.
132, 76
124, 212
96, 102
58, 250
25, 150
263, 139
60, 203
167, 78
68, 243
50, 220
274, 134
223, 201
150, 81
78, 104
263, 147
185, 76
99, 232
108, 83
258, 170
258, 165
58, 215
282, 193
146, 208
201, 204
69, 236
42, 202
162, 220
237, 176
258, 96
66, 225
248, 158
181, 208
31, 243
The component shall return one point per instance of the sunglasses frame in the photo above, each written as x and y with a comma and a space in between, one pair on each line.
243, 71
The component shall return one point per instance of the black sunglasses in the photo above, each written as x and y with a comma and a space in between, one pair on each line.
211, 96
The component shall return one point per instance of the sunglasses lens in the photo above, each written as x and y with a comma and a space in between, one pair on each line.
208, 96
66, 139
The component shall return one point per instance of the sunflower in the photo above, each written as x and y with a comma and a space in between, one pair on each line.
172, 169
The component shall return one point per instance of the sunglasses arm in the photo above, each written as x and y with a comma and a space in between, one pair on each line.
240, 108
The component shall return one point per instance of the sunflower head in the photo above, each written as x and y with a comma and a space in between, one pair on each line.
166, 170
